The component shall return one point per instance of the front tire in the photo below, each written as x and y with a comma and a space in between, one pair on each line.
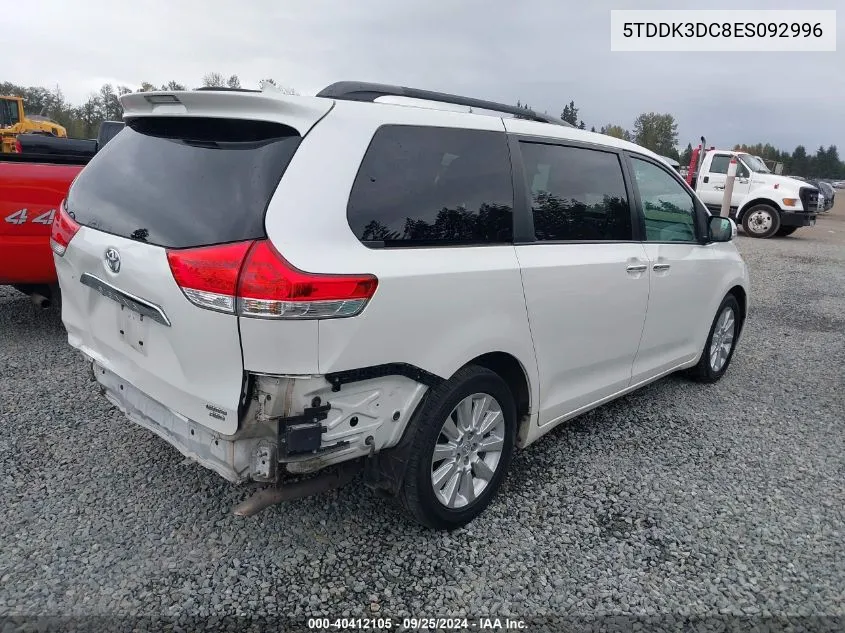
721, 342
463, 442
761, 221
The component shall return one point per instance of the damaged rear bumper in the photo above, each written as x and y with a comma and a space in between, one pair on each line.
289, 424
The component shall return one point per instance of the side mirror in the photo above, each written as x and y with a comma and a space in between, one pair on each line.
721, 229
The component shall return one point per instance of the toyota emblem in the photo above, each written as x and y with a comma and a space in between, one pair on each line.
113, 260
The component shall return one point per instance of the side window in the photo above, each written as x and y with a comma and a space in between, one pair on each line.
576, 193
433, 186
719, 164
13, 112
8, 113
668, 208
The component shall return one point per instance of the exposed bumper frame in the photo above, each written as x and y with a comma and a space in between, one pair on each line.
367, 417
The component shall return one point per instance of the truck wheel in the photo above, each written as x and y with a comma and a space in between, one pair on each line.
461, 449
761, 220
721, 342
786, 230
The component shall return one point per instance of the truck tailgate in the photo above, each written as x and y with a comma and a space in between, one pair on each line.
30, 193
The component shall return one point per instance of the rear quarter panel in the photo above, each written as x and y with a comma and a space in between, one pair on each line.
29, 197
436, 308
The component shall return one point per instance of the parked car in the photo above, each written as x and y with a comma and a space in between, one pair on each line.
766, 204
827, 191
280, 286
33, 181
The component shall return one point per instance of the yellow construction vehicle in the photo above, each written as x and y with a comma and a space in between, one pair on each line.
13, 121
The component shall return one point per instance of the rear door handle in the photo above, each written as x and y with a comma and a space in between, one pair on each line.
661, 267
637, 268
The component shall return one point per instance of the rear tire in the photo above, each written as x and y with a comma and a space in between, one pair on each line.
761, 221
786, 230
450, 489
715, 358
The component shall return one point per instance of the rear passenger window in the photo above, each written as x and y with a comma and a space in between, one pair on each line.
421, 186
576, 193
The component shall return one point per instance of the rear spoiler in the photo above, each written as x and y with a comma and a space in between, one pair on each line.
300, 113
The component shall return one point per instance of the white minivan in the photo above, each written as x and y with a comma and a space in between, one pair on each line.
292, 289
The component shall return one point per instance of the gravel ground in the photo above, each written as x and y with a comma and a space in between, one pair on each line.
679, 499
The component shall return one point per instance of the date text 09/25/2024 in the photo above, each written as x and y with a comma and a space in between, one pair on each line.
416, 624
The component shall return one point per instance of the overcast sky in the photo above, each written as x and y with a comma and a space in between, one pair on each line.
541, 52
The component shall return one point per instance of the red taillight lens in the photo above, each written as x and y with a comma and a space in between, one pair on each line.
253, 279
18, 147
209, 276
63, 229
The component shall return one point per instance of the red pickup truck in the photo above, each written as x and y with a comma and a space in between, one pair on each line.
32, 185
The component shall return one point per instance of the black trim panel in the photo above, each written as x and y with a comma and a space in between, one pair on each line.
565, 242
523, 216
339, 378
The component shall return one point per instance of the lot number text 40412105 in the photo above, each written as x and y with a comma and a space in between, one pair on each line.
416, 624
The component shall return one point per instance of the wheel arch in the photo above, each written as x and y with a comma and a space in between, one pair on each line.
513, 373
769, 202
741, 297
385, 471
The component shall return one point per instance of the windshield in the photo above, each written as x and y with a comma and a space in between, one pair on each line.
754, 164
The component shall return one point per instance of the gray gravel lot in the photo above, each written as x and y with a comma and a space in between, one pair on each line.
680, 498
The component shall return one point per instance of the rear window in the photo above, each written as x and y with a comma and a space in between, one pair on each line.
429, 186
181, 182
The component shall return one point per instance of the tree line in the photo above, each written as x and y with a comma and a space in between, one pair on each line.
83, 120
656, 131
659, 133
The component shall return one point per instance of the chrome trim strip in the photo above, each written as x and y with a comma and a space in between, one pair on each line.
136, 304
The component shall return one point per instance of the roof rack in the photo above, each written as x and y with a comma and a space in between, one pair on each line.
364, 91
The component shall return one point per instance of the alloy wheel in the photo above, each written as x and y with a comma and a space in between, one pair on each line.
468, 450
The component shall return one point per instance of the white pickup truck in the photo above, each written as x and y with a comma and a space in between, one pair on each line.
764, 203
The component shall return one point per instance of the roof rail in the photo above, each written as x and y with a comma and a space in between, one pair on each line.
364, 91
227, 89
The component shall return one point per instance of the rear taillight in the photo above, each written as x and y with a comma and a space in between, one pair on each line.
254, 280
63, 229
18, 147
209, 276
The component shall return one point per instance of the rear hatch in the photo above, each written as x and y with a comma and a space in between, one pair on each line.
174, 202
